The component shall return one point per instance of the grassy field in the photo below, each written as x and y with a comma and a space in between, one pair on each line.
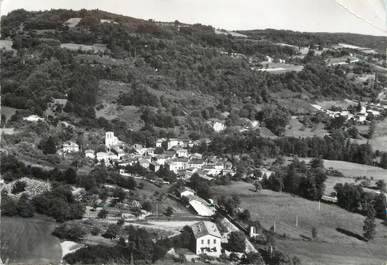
355, 170
297, 129
336, 248
7, 112
379, 140
29, 241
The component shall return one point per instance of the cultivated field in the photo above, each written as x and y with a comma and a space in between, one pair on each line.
29, 241
336, 248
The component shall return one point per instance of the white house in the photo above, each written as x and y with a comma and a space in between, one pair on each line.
177, 164
160, 141
106, 157
182, 152
196, 163
207, 238
172, 142
33, 118
89, 153
70, 147
217, 125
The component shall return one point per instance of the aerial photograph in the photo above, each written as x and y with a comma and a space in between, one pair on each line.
173, 132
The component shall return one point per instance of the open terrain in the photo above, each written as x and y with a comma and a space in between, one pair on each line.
29, 241
336, 248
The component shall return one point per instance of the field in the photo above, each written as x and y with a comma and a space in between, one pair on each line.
29, 241
280, 68
336, 248
7, 112
87, 48
352, 170
297, 129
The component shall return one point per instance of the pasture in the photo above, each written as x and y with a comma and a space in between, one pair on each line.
336, 248
29, 241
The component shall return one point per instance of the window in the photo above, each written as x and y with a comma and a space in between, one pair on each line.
202, 241
214, 241
208, 241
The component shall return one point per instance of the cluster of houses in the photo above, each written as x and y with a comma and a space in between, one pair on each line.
175, 156
371, 110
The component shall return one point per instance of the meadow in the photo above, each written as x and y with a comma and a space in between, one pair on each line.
29, 241
283, 209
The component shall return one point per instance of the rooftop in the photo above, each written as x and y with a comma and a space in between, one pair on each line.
204, 228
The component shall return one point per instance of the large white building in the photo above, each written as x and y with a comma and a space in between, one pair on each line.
110, 139
207, 238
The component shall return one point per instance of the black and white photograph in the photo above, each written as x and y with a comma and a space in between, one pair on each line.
194, 132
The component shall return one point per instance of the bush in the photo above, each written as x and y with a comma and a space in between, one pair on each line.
73, 232
237, 241
18, 187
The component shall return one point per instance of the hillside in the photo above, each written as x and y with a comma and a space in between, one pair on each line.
171, 76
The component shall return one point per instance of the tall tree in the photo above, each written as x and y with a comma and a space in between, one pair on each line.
369, 223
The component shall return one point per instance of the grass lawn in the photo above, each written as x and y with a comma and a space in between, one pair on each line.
29, 241
267, 206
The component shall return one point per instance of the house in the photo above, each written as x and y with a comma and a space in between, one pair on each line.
196, 163
89, 153
180, 152
70, 147
177, 164
106, 156
217, 125
172, 142
207, 238
33, 118
187, 192
154, 166
160, 141
144, 162
201, 207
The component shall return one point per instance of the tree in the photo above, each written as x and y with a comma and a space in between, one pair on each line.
169, 211
48, 146
257, 185
381, 185
8, 206
73, 232
18, 187
380, 206
112, 231
245, 215
70, 176
369, 224
314, 232
383, 160
237, 241
102, 214
253, 258
147, 206
372, 129
24, 206
120, 194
